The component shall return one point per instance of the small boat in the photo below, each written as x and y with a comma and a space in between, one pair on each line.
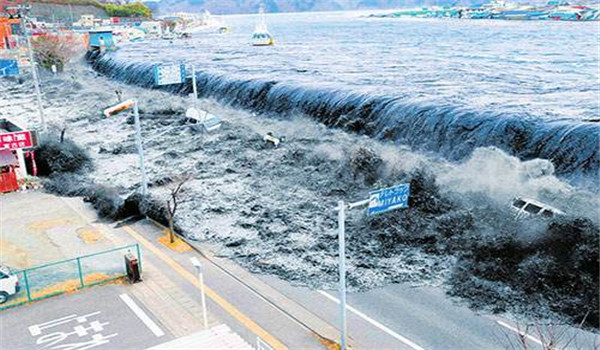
261, 35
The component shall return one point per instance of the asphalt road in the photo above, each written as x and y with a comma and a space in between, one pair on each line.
99, 317
399, 316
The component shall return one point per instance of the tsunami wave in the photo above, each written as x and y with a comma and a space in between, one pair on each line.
453, 132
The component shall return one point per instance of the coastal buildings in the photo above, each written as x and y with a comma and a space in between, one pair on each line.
553, 10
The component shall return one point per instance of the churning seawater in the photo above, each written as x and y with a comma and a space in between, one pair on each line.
442, 85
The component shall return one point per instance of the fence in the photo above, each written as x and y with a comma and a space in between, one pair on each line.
64, 276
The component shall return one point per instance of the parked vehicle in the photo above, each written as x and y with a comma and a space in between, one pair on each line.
9, 284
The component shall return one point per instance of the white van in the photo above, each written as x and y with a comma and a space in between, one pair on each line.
9, 283
526, 207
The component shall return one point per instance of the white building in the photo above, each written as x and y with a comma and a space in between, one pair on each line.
152, 28
88, 21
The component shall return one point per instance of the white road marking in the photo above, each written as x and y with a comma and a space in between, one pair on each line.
374, 323
521, 333
142, 315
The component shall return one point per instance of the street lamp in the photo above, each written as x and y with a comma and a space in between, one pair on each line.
198, 267
129, 104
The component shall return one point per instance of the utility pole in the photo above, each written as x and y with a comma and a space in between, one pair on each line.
34, 72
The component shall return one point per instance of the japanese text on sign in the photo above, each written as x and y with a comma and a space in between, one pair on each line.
9, 67
16, 140
169, 74
389, 199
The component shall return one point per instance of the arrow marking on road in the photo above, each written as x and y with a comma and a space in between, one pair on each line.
373, 322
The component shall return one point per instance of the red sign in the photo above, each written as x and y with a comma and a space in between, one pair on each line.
16, 140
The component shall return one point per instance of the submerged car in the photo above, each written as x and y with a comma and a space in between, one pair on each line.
209, 121
9, 283
526, 207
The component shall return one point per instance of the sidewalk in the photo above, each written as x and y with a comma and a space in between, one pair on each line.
39, 228
175, 309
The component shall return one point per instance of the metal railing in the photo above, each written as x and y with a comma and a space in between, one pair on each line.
69, 275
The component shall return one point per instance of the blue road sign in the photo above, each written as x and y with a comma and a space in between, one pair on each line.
387, 199
168, 74
9, 67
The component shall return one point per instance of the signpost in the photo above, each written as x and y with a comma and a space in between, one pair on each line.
169, 74
379, 201
17, 140
9, 67
132, 104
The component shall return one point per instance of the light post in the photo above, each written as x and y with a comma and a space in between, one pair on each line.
198, 267
132, 104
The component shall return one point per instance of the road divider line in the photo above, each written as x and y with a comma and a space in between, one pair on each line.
521, 333
142, 315
224, 304
373, 322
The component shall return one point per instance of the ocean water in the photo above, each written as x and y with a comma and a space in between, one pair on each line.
442, 85
546, 69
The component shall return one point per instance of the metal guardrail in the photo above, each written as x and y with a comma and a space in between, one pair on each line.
69, 275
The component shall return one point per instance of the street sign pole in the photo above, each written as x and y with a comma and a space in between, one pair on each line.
36, 81
140, 148
379, 201
342, 270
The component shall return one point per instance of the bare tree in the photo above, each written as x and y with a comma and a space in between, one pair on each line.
174, 200
55, 50
548, 337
